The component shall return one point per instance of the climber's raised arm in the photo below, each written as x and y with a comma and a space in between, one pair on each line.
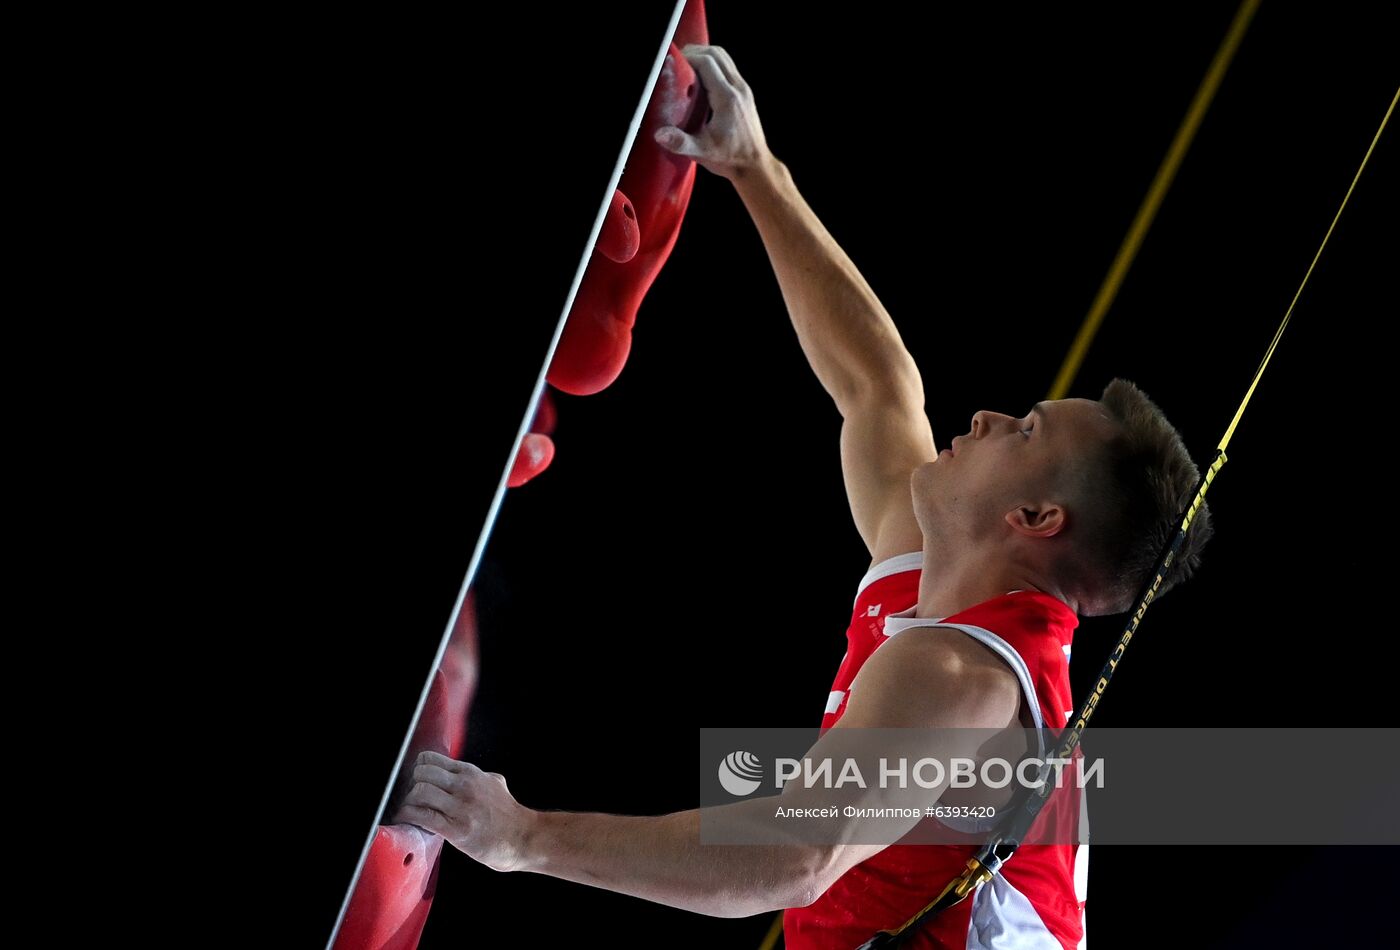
849, 339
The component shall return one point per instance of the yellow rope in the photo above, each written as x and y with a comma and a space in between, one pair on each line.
1165, 173
1225, 439
774, 932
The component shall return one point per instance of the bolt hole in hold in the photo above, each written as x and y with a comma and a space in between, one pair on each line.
408, 859
690, 90
627, 210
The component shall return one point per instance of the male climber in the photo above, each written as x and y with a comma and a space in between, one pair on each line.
983, 556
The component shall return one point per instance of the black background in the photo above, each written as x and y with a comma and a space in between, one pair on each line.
411, 200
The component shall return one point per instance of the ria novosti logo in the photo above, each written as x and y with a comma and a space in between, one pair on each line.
740, 772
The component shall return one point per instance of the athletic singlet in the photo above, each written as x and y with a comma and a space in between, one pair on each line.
1037, 900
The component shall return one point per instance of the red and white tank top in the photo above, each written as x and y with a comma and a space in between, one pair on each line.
1037, 900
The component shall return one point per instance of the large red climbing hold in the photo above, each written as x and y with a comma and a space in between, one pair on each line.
655, 188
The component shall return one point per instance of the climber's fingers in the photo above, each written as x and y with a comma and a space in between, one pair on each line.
717, 85
679, 142
730, 139
726, 64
